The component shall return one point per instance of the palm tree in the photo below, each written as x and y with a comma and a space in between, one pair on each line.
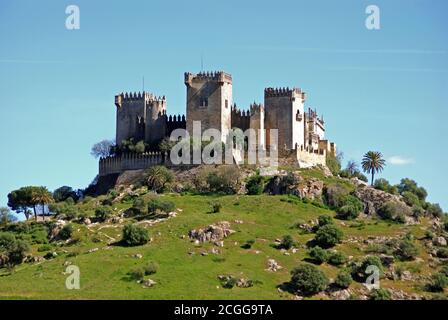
373, 162
42, 196
352, 167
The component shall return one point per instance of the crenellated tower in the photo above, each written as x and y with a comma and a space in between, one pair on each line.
140, 116
209, 100
284, 110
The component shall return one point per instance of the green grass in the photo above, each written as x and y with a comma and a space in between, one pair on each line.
104, 273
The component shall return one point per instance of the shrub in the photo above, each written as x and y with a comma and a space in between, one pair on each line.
350, 209
224, 179
334, 195
139, 206
384, 185
407, 250
255, 185
287, 242
444, 270
216, 206
44, 247
308, 279
410, 199
337, 258
394, 211
318, 255
134, 235
411, 186
438, 282
434, 210
328, 236
151, 268
380, 294
103, 213
158, 178
248, 244
333, 163
137, 274
442, 252
343, 280
324, 220
157, 205
12, 250
66, 232
360, 270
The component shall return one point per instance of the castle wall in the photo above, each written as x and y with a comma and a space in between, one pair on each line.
129, 161
307, 158
175, 122
240, 119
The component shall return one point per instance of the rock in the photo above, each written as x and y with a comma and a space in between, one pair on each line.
204, 253
92, 250
294, 250
273, 265
439, 241
213, 232
87, 221
138, 256
67, 263
219, 243
340, 294
244, 283
215, 251
387, 260
148, 283
406, 275
172, 214
239, 221
374, 199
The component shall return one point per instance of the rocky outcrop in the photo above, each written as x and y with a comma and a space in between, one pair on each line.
273, 265
374, 199
212, 233
293, 183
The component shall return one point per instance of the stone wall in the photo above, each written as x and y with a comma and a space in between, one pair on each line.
129, 161
309, 158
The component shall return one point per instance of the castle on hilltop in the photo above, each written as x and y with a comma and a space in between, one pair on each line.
143, 117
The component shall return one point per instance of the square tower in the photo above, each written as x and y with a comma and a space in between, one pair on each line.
209, 100
284, 110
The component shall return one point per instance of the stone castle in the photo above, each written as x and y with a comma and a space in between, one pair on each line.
143, 116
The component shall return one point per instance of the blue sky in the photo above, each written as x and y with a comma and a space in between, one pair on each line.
383, 90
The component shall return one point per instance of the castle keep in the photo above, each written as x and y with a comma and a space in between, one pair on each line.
143, 117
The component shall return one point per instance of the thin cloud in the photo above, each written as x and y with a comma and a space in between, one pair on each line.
400, 160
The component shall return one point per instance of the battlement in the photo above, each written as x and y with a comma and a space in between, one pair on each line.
129, 161
218, 76
256, 108
137, 96
284, 92
312, 115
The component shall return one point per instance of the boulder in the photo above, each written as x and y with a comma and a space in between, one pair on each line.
148, 283
212, 233
374, 199
439, 241
273, 265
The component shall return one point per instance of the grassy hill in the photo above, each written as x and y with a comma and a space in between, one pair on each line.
185, 272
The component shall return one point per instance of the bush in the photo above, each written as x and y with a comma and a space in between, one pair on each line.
335, 194
324, 220
134, 235
158, 178
66, 232
216, 206
410, 199
384, 185
224, 179
333, 163
157, 205
248, 244
255, 185
394, 211
407, 250
343, 280
434, 210
12, 250
360, 270
350, 209
308, 279
408, 185
151, 268
380, 294
328, 236
137, 274
103, 213
337, 258
318, 255
438, 283
442, 253
287, 242
139, 206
